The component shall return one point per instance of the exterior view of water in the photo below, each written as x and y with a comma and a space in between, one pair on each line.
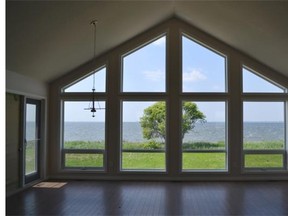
209, 131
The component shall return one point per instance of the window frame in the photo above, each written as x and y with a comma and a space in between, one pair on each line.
264, 97
135, 49
134, 99
142, 96
261, 76
206, 97
174, 29
83, 97
266, 151
82, 151
210, 48
84, 77
226, 141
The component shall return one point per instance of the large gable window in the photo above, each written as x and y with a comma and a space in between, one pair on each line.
175, 103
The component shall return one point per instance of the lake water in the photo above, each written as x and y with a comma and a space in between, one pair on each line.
210, 131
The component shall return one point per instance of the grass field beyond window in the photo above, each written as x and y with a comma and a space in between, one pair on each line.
143, 160
204, 161
263, 160
190, 160
83, 160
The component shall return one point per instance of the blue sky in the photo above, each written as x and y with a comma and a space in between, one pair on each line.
85, 85
203, 70
144, 70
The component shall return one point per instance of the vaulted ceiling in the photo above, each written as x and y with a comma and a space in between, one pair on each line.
47, 39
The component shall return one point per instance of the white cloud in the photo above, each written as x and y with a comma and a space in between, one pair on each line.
193, 75
155, 75
160, 42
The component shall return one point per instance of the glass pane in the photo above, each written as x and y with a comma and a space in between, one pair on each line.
255, 83
203, 125
30, 157
31, 139
86, 84
146, 160
263, 125
144, 69
31, 128
83, 160
203, 70
81, 130
204, 161
143, 135
263, 160
203, 128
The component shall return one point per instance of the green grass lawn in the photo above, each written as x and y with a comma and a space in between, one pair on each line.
263, 160
143, 160
204, 160
30, 165
157, 160
190, 160
84, 160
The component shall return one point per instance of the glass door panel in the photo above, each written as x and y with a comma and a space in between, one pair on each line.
32, 140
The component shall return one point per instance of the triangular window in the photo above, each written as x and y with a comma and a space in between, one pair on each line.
253, 82
144, 70
86, 84
203, 69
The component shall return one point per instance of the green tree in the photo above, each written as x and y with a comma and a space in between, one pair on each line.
153, 121
191, 115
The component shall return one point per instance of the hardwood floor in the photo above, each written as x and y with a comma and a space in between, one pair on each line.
152, 198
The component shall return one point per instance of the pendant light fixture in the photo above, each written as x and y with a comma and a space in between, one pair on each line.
93, 108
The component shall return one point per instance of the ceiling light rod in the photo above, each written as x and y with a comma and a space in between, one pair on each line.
94, 22
93, 108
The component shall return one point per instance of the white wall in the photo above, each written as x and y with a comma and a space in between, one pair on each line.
18, 85
12, 142
23, 85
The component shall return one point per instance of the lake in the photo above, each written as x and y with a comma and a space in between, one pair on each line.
209, 131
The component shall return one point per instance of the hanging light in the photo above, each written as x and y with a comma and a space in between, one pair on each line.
93, 108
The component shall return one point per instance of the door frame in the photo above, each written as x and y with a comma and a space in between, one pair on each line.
24, 180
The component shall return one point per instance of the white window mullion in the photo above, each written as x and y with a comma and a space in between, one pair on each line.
174, 69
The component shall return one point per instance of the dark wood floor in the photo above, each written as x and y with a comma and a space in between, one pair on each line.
153, 198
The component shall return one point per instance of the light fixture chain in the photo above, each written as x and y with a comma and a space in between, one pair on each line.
94, 54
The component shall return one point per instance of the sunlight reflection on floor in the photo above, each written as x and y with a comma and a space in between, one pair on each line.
50, 185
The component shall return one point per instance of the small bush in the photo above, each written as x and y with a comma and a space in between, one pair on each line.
132, 145
203, 145
153, 145
264, 145
84, 144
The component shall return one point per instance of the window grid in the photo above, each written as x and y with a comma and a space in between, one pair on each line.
168, 96
268, 97
141, 150
93, 150
209, 151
